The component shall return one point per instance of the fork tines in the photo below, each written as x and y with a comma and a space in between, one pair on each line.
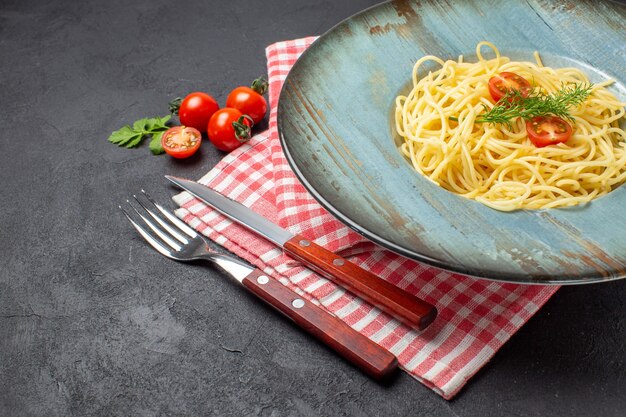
165, 232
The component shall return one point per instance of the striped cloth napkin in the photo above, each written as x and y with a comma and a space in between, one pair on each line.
476, 317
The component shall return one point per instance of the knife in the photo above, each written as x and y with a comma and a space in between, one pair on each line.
401, 305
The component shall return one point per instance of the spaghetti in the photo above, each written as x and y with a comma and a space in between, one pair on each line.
496, 164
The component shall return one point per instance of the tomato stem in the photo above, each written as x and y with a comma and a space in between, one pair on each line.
243, 130
174, 105
259, 85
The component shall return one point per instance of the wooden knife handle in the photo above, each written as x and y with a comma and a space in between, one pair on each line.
358, 349
394, 301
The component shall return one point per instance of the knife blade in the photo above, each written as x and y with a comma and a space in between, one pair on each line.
394, 301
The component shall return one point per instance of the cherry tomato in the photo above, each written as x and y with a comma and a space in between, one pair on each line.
502, 83
228, 129
181, 141
250, 100
196, 110
548, 130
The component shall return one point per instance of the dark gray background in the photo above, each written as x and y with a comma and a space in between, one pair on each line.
94, 323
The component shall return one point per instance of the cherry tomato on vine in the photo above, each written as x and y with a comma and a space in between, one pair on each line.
501, 84
548, 130
228, 129
250, 100
181, 141
196, 110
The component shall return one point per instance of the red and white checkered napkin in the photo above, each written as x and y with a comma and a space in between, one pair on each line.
476, 317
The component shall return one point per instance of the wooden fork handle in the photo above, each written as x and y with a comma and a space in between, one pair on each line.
396, 302
353, 346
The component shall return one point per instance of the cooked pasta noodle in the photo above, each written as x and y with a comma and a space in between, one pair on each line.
497, 164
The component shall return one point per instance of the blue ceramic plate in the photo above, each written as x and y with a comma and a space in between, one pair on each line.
336, 127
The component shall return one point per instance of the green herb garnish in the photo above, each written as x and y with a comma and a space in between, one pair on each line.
131, 137
514, 105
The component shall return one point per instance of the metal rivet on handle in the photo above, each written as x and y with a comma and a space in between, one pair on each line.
339, 262
304, 242
262, 279
298, 303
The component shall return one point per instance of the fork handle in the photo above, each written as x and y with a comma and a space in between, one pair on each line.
353, 346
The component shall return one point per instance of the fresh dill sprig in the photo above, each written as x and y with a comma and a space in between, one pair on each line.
514, 104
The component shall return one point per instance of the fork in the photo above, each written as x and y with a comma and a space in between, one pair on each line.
171, 237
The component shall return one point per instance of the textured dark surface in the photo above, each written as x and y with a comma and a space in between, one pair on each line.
94, 323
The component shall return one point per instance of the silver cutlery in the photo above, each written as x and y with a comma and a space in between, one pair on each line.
174, 239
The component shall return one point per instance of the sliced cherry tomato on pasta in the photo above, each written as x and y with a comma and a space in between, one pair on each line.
501, 84
548, 130
181, 141
228, 129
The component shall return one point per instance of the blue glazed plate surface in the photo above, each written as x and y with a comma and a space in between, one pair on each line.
336, 127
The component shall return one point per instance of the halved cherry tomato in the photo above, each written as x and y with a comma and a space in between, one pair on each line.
196, 110
181, 141
250, 100
228, 129
548, 130
501, 84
